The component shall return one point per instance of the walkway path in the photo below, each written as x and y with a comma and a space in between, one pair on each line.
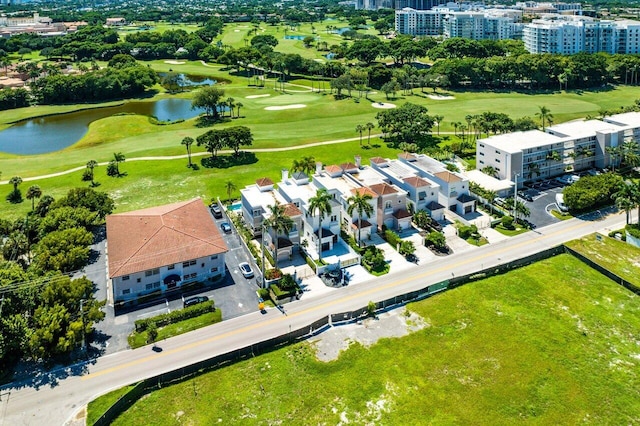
197, 154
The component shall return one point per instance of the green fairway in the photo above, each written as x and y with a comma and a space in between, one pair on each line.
550, 343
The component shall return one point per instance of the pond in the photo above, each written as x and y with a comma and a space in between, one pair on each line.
188, 80
55, 132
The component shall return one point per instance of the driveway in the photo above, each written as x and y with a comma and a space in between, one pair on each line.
543, 195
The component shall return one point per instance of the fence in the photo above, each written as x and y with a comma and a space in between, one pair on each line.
320, 325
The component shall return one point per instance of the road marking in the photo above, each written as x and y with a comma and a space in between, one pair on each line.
327, 304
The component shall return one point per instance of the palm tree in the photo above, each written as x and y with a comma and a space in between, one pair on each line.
614, 153
629, 154
305, 164
239, 105
33, 192
88, 174
15, 181
359, 203
369, 126
359, 129
625, 198
280, 223
321, 204
438, 119
118, 158
231, 104
545, 115
187, 142
489, 170
229, 186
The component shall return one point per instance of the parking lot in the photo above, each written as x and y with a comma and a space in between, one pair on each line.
544, 200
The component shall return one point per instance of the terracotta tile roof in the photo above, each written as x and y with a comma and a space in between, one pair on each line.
447, 176
401, 214
407, 156
416, 182
348, 166
265, 181
364, 190
365, 224
159, 236
291, 210
378, 160
333, 168
383, 189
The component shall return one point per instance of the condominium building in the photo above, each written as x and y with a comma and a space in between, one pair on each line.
418, 4
574, 146
419, 22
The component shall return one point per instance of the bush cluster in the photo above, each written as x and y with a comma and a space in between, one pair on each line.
392, 238
175, 316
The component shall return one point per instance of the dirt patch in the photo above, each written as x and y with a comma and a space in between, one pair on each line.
281, 107
395, 323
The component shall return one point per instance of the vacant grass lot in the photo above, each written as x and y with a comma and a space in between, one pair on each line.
616, 256
551, 343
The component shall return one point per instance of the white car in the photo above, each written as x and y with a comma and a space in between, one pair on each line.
560, 202
246, 270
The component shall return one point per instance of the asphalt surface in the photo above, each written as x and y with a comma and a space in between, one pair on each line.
55, 397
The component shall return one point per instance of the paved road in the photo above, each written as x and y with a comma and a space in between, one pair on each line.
55, 397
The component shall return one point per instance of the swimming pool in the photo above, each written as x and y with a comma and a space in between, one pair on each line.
234, 207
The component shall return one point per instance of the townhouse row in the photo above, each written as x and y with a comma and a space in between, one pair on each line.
398, 188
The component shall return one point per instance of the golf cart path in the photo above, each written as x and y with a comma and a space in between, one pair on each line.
197, 154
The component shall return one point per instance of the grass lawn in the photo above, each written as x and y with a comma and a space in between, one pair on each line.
137, 340
616, 256
562, 216
510, 232
550, 343
98, 407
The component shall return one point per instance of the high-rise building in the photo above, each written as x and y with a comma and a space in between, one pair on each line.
419, 22
418, 4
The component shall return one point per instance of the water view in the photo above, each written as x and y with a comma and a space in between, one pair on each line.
53, 133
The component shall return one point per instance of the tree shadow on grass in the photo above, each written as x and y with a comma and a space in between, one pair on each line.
226, 161
208, 121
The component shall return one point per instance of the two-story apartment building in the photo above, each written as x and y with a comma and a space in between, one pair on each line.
161, 248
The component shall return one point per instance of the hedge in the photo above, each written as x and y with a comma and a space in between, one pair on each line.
175, 316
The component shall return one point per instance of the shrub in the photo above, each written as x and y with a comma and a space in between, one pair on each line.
288, 283
175, 316
633, 230
591, 191
392, 238
466, 232
436, 239
273, 274
373, 259
371, 308
407, 248
507, 222
152, 333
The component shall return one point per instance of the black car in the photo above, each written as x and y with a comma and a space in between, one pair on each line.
194, 301
216, 211
525, 196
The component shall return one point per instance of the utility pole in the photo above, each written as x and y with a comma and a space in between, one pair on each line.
84, 344
263, 232
515, 197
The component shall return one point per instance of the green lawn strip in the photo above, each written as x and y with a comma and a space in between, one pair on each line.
147, 182
510, 232
544, 344
561, 216
478, 242
99, 406
137, 340
616, 256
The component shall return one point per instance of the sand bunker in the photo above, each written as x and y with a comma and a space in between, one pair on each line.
280, 107
174, 62
383, 105
257, 96
440, 97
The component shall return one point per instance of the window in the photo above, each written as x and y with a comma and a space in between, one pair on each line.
481, 145
214, 257
151, 272
497, 160
171, 267
387, 205
148, 287
188, 263
481, 162
126, 291
125, 278
138, 280
214, 269
193, 275
156, 284
334, 218
482, 154
497, 152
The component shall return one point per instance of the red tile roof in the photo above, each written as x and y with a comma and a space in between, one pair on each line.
291, 210
265, 181
159, 236
407, 156
364, 190
447, 176
416, 182
383, 189
348, 166
333, 168
378, 160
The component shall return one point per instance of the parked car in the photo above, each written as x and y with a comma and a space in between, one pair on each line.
226, 228
216, 211
593, 172
194, 301
560, 202
525, 196
246, 270
435, 225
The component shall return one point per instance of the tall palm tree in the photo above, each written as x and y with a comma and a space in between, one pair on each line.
614, 153
359, 129
625, 198
118, 158
280, 223
15, 181
33, 192
630, 155
320, 204
229, 186
239, 105
359, 203
231, 104
438, 119
545, 115
187, 142
88, 174
369, 126
305, 164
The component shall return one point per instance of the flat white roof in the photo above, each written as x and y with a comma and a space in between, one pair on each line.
582, 129
294, 191
517, 141
257, 198
340, 183
631, 119
368, 176
488, 182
